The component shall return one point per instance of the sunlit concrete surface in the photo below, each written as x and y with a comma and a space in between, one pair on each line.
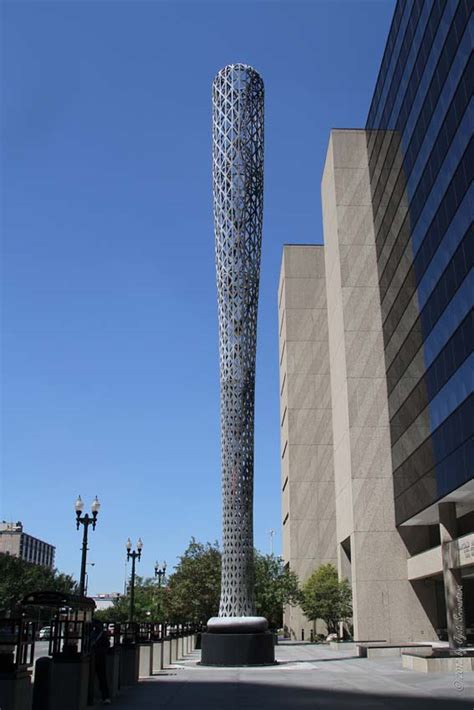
307, 677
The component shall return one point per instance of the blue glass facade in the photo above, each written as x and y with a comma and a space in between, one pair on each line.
421, 157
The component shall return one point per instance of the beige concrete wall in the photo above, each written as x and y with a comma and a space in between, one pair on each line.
10, 543
385, 603
307, 475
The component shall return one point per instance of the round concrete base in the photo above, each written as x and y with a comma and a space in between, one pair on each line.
239, 649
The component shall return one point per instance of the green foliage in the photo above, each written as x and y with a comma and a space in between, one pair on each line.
192, 592
193, 589
325, 597
275, 586
19, 578
148, 606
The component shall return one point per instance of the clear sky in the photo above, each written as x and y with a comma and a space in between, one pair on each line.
109, 334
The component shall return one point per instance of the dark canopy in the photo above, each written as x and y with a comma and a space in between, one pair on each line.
59, 600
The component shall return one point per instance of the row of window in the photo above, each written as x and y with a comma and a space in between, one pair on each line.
412, 40
451, 141
459, 227
447, 285
458, 348
383, 223
447, 438
458, 308
450, 203
33, 550
392, 49
452, 472
453, 43
437, 230
421, 157
429, 76
455, 391
430, 49
418, 145
457, 466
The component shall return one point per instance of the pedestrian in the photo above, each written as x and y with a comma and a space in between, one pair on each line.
100, 644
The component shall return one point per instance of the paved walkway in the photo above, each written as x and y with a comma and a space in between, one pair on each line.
307, 677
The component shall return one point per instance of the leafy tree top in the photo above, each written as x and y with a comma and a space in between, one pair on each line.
326, 597
19, 578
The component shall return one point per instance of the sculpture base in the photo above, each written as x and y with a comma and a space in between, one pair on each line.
240, 649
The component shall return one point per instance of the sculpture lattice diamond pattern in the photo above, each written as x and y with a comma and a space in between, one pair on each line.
237, 147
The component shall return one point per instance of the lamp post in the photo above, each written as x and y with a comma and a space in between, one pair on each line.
85, 520
133, 555
86, 586
160, 572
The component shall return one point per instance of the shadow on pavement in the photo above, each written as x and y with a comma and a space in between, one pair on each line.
220, 695
321, 660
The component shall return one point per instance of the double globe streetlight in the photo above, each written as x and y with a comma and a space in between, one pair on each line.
133, 555
160, 572
85, 520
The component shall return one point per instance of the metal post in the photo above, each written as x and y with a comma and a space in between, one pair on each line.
82, 582
85, 521
132, 587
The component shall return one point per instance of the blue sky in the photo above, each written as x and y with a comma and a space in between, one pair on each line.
109, 329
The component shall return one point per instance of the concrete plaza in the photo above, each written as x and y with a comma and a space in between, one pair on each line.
307, 676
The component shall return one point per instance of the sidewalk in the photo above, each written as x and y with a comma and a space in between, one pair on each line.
307, 677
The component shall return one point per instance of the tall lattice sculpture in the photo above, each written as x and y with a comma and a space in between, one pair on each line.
237, 152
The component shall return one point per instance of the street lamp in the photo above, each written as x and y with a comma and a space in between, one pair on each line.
160, 572
133, 555
86, 586
85, 520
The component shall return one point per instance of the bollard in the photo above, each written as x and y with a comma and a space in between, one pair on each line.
113, 670
166, 652
145, 651
15, 689
43, 684
129, 664
174, 648
70, 685
157, 664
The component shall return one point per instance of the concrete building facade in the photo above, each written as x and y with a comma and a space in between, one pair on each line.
371, 550
13, 541
307, 471
397, 213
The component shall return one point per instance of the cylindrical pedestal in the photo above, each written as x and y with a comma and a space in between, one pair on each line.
223, 649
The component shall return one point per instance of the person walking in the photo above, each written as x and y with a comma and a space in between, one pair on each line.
100, 644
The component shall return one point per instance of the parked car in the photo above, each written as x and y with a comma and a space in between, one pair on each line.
45, 633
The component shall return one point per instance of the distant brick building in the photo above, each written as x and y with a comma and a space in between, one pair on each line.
13, 541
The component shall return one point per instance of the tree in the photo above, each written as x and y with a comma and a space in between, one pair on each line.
19, 578
193, 589
275, 586
148, 606
326, 597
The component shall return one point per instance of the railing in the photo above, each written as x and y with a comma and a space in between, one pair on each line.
129, 632
17, 643
70, 636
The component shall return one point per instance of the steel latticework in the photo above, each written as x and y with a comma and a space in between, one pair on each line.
237, 151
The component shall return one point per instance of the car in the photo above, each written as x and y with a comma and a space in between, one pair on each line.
45, 632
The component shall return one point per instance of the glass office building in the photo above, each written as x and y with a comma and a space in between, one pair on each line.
421, 157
